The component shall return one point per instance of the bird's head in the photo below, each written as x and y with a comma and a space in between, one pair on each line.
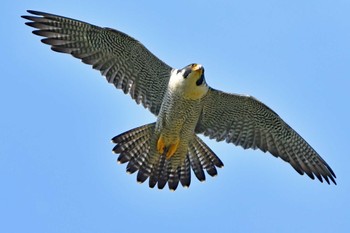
189, 81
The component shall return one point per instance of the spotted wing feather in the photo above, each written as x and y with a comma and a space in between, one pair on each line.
245, 121
124, 61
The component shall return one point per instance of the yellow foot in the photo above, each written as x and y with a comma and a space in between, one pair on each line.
172, 149
160, 145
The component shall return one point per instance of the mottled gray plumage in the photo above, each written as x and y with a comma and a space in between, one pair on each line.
123, 60
165, 151
245, 121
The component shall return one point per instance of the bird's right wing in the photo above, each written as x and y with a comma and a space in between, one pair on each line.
245, 121
123, 60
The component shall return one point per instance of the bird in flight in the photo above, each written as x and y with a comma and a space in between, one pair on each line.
164, 152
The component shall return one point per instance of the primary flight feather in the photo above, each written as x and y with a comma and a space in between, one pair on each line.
165, 151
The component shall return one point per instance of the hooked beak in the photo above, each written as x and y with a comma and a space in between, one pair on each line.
197, 68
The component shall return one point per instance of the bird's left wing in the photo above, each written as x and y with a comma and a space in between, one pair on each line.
123, 60
245, 121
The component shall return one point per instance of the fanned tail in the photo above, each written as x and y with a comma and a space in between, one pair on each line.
137, 147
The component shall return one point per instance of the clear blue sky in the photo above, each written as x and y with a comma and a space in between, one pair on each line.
57, 172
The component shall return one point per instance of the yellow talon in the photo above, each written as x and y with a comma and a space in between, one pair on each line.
160, 145
172, 149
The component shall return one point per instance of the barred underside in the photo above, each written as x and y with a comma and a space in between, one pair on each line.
247, 122
137, 148
123, 60
129, 66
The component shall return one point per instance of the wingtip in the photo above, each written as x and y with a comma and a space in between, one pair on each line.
25, 17
34, 15
333, 180
33, 12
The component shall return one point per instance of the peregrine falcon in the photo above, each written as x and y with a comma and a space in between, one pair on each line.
165, 151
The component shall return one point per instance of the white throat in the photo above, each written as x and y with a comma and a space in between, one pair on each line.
186, 87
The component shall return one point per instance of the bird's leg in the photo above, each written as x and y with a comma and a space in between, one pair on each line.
171, 148
160, 144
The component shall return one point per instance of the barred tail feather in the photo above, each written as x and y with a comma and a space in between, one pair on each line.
185, 173
196, 165
173, 181
164, 175
156, 172
135, 148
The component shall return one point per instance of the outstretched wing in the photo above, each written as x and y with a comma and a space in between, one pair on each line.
245, 121
123, 60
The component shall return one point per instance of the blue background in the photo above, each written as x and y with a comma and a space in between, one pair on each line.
57, 172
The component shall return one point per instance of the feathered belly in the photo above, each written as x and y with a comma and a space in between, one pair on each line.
166, 151
175, 127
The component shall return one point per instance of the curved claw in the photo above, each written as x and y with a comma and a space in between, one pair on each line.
172, 148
